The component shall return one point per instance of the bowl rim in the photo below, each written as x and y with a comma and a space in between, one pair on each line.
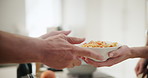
118, 46
101, 48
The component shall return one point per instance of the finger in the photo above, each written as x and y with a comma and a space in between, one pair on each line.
136, 70
91, 62
70, 66
140, 70
77, 62
87, 53
85, 60
55, 33
64, 32
115, 53
109, 62
74, 40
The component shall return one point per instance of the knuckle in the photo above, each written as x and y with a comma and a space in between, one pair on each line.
89, 54
71, 39
62, 36
69, 58
72, 49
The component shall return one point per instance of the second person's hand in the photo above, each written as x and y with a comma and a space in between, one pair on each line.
141, 66
116, 56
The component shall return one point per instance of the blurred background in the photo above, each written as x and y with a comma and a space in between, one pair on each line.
123, 21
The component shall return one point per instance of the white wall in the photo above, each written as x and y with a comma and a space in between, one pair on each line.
12, 16
8, 72
74, 16
12, 19
32, 16
28, 17
41, 14
112, 20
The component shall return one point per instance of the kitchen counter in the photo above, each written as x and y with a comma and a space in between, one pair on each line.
8, 72
96, 74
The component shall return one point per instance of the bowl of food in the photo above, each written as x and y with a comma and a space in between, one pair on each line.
101, 48
98, 47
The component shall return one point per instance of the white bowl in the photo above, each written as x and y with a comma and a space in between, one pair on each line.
103, 51
83, 69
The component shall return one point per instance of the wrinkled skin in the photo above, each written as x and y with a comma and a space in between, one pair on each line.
60, 52
54, 49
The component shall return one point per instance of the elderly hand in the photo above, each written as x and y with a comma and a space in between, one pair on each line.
59, 52
53, 49
116, 56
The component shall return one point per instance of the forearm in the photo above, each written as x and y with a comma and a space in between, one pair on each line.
139, 52
18, 49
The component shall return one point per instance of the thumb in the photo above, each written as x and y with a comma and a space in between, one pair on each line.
117, 52
74, 40
113, 54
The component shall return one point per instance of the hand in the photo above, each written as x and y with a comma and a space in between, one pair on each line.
140, 68
116, 56
59, 52
28, 48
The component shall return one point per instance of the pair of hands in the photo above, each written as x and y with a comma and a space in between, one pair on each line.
59, 52
64, 54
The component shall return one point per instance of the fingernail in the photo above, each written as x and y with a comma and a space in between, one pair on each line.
111, 55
